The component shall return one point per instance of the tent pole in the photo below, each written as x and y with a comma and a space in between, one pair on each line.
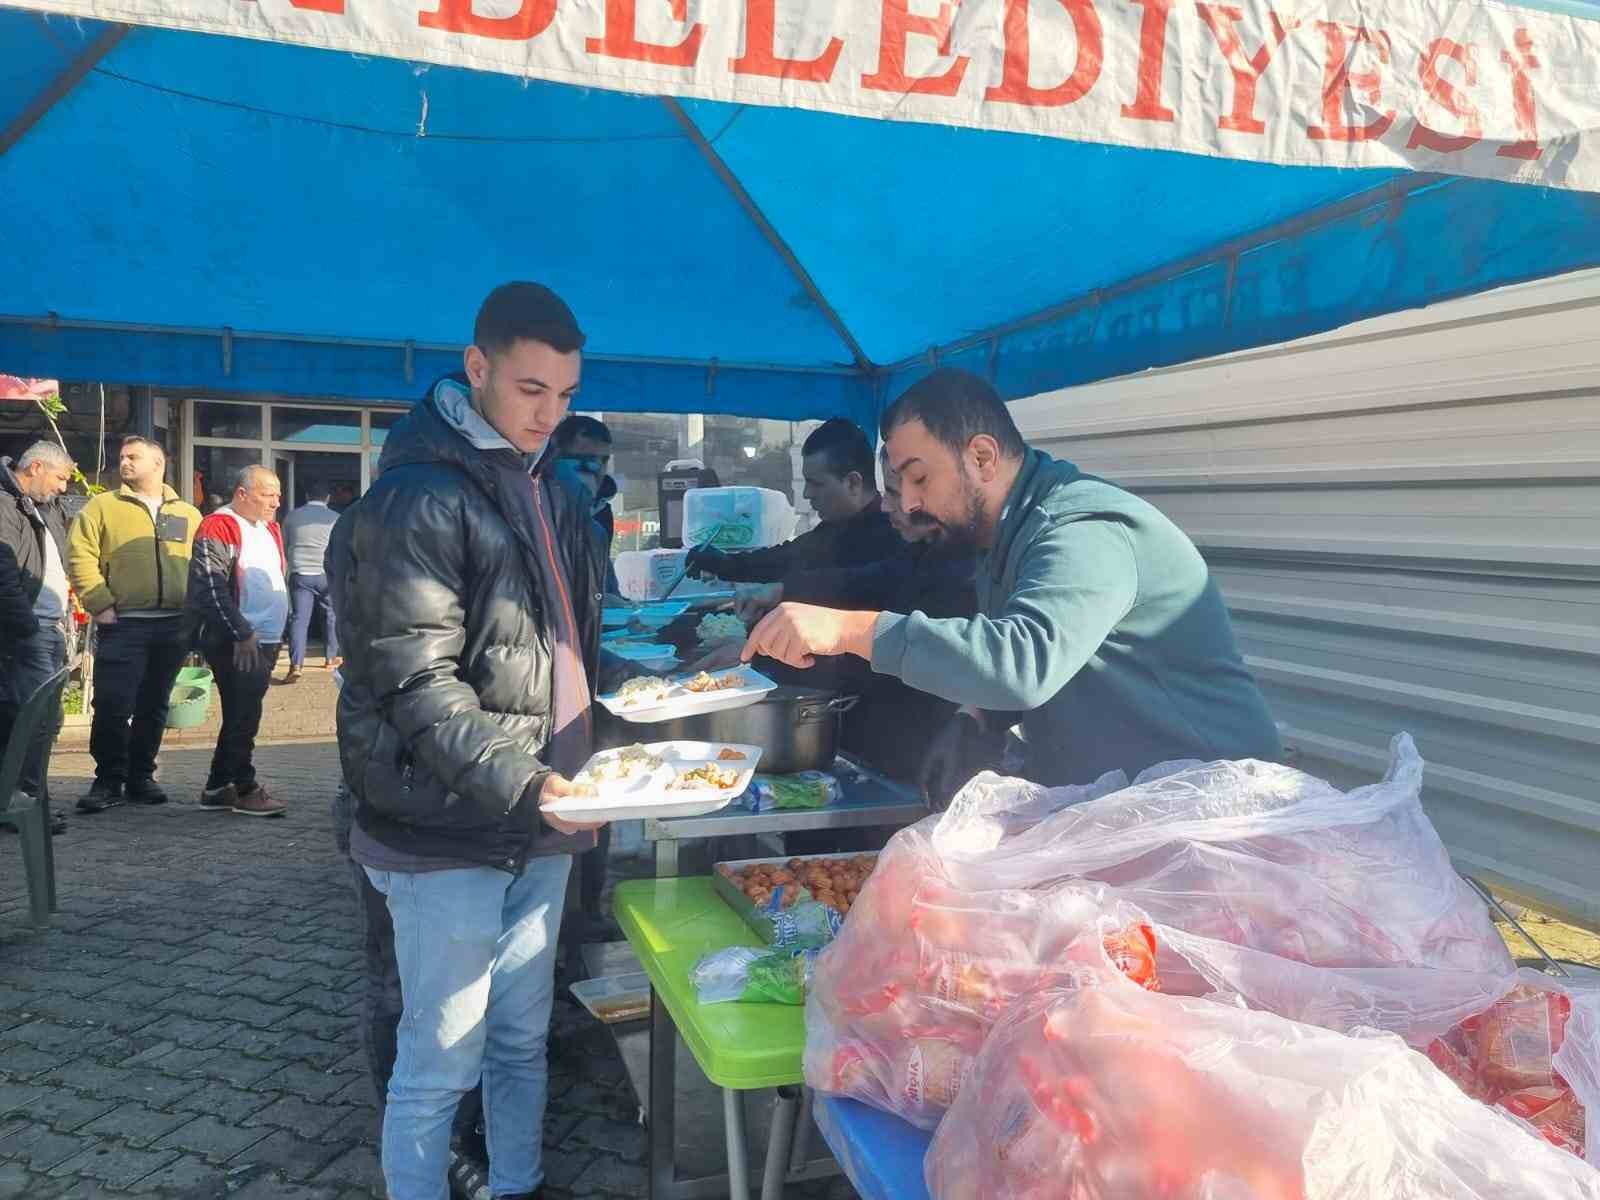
753, 211
61, 85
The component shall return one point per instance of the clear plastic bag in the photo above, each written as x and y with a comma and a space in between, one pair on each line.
1535, 1054
751, 975
1264, 871
902, 999
1115, 1092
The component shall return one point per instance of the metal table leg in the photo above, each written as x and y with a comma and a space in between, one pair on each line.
738, 1152
666, 858
802, 1132
663, 1100
784, 1106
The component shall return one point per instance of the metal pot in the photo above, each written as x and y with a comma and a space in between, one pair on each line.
797, 728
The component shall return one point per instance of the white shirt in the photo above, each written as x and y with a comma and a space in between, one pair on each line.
263, 593
51, 605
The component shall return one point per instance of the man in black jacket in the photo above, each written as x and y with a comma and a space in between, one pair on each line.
841, 485
33, 593
469, 583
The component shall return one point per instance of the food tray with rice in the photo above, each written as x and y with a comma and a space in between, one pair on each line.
648, 699
661, 779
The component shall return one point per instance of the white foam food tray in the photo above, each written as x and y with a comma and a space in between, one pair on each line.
680, 702
656, 796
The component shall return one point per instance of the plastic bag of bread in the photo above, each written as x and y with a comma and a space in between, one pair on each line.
1535, 1054
1113, 1091
1268, 859
902, 1000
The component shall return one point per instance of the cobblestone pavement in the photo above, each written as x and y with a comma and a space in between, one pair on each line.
185, 1027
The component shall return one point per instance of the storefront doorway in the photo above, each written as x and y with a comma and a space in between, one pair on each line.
304, 444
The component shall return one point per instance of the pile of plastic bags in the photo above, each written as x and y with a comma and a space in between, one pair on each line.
1245, 891
1116, 1092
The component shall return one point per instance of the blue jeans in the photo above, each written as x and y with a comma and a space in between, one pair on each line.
25, 663
308, 592
476, 949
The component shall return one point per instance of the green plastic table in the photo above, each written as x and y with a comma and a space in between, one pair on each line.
671, 924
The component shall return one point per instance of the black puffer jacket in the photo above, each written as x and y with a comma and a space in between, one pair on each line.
445, 710
23, 527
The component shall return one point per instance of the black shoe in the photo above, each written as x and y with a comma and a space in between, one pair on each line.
58, 824
101, 797
146, 791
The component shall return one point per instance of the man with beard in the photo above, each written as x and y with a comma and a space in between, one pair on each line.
1098, 621
894, 724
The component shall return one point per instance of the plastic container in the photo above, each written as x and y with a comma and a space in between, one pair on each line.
615, 998
188, 707
199, 677
751, 518
646, 575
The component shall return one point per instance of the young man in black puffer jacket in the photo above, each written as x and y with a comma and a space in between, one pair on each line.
469, 583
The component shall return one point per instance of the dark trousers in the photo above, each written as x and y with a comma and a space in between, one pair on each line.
381, 1003
308, 592
592, 865
242, 694
136, 662
25, 663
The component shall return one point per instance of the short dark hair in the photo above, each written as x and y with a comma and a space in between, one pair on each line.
842, 445
133, 439
318, 491
516, 312
956, 406
575, 426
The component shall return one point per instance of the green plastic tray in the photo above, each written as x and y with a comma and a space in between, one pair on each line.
671, 924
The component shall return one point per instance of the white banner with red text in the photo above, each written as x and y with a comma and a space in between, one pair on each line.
1465, 87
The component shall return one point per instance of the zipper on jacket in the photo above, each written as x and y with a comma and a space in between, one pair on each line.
155, 527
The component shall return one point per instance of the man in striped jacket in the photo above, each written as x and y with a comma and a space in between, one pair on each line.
239, 603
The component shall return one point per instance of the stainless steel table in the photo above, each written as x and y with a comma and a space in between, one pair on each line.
870, 799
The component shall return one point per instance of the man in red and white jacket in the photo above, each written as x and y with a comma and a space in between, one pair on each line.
239, 602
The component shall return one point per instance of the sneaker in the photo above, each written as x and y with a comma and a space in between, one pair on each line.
58, 824
220, 799
145, 791
293, 676
101, 797
255, 802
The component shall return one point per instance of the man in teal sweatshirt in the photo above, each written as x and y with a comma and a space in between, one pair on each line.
1098, 621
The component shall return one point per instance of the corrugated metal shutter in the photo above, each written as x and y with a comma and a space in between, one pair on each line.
1405, 518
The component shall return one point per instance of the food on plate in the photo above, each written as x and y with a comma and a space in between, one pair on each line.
643, 689
623, 1008
720, 627
707, 775
706, 682
832, 882
729, 754
619, 766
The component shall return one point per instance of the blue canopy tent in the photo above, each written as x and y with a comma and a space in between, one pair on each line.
205, 211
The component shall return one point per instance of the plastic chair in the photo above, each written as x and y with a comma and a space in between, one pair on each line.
30, 816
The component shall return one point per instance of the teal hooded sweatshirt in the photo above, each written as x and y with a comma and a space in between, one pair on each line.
1099, 623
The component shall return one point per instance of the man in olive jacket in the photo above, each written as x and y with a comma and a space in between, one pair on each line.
128, 558
468, 581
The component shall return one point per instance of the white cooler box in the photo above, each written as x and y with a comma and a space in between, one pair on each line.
646, 574
751, 518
